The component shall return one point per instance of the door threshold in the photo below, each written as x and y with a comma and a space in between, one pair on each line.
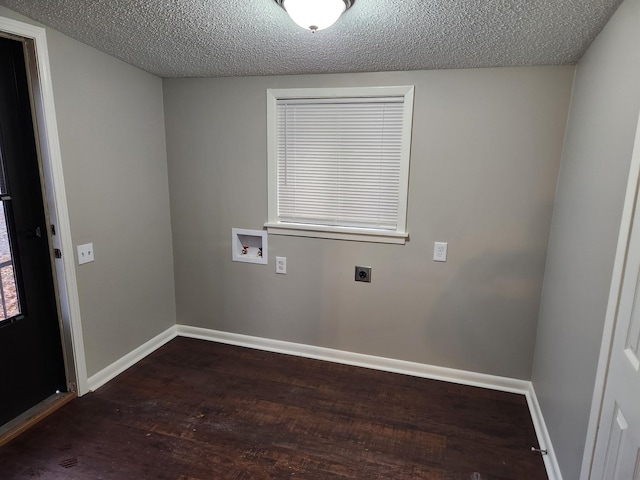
28, 419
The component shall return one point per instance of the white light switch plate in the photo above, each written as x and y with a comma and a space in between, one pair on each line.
85, 253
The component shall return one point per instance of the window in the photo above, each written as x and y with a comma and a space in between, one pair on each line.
338, 162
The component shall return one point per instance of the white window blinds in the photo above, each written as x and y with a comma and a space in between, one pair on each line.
339, 161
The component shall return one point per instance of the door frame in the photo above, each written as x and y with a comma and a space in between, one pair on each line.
56, 202
630, 203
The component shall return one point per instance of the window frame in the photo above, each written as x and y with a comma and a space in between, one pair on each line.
276, 227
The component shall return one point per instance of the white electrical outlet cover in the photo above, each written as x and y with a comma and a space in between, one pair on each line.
440, 251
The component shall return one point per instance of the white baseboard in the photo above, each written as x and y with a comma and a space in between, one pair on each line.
504, 384
360, 360
463, 377
544, 440
116, 368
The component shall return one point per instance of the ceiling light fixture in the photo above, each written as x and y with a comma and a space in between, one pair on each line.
315, 15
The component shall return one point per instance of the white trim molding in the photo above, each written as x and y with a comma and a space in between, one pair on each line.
359, 360
624, 235
544, 440
131, 358
57, 202
433, 372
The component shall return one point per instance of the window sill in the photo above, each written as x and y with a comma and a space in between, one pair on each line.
337, 233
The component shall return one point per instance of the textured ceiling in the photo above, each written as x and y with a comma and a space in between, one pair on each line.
187, 38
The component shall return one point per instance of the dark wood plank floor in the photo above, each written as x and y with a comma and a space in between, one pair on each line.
200, 410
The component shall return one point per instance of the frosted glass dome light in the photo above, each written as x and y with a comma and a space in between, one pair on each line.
315, 14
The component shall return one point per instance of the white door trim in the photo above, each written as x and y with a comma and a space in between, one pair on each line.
612, 306
56, 202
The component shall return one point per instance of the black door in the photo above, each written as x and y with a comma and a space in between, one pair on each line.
31, 359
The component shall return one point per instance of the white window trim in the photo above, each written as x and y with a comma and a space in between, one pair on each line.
275, 227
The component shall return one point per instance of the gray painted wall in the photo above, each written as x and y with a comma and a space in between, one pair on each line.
485, 156
111, 125
587, 213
